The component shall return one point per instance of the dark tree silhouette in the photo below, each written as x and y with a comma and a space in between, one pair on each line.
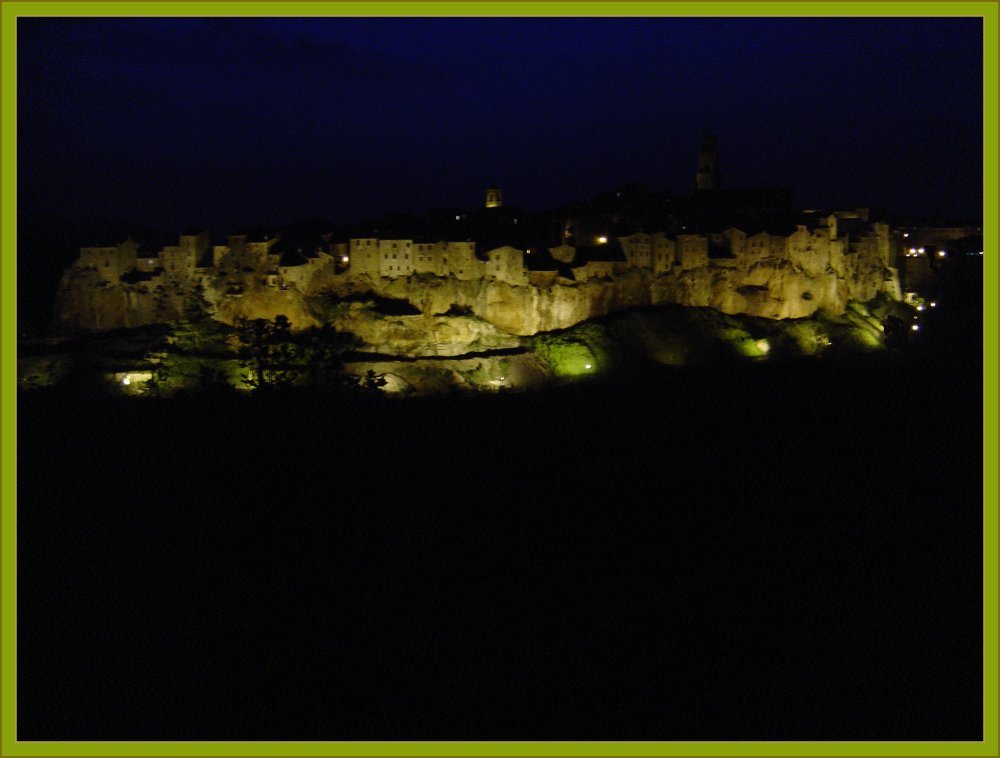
267, 349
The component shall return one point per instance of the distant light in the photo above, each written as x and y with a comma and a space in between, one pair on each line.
906, 234
980, 252
763, 345
942, 253
502, 378
933, 305
915, 327
588, 366
125, 380
458, 218
344, 259
922, 250
528, 250
601, 240
920, 307
913, 250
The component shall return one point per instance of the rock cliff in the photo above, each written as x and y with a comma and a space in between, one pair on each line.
775, 288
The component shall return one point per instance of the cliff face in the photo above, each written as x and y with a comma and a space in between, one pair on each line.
774, 288
422, 335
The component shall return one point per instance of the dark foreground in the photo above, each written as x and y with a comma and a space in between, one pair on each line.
765, 552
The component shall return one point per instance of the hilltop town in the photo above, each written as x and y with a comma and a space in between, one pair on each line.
738, 251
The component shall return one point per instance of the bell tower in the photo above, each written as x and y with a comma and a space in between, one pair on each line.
707, 177
494, 197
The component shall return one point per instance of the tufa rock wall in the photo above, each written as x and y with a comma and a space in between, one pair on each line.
774, 287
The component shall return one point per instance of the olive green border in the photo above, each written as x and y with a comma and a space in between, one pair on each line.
8, 311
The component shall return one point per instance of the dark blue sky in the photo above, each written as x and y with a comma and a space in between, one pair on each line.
226, 122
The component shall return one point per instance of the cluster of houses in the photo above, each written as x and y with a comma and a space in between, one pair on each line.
303, 263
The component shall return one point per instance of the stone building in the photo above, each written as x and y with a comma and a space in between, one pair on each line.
247, 252
395, 258
599, 262
494, 197
429, 259
459, 259
109, 262
364, 257
664, 253
692, 251
638, 250
506, 264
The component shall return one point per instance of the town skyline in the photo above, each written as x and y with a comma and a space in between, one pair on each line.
228, 123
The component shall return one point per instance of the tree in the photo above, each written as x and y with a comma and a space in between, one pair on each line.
188, 330
324, 348
197, 307
163, 307
267, 350
372, 383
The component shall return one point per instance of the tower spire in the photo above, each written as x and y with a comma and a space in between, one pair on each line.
707, 177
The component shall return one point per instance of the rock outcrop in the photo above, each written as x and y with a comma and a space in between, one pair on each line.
769, 287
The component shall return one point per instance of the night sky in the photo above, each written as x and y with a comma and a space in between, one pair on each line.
226, 122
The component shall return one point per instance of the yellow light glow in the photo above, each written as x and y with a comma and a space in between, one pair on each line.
588, 366
933, 305
126, 380
344, 259
915, 327
920, 307
942, 253
922, 250
913, 250
906, 234
601, 240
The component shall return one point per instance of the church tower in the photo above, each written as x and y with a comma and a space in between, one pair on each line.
707, 177
494, 198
